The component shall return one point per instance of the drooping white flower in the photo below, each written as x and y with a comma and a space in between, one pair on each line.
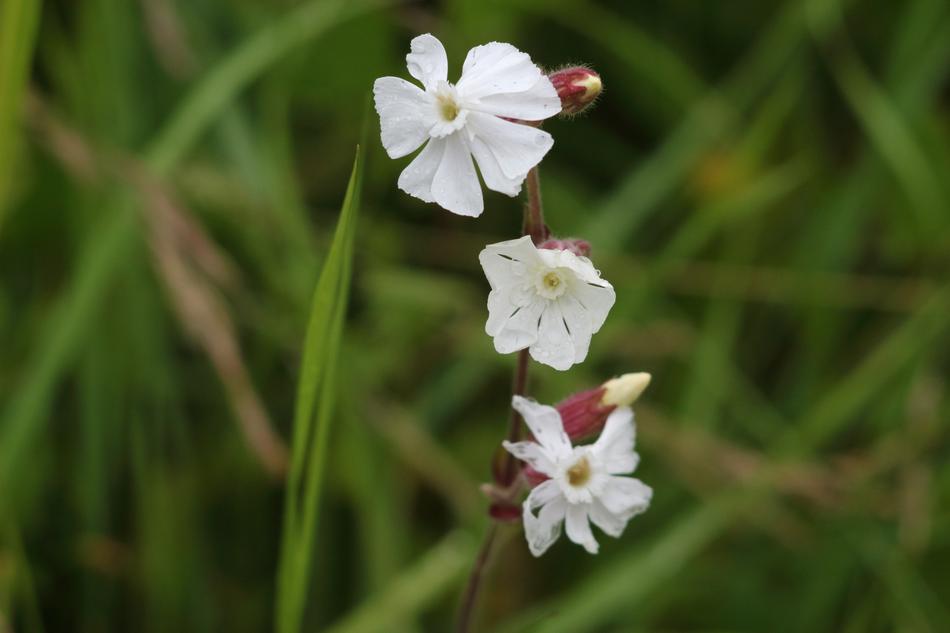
585, 485
549, 301
466, 119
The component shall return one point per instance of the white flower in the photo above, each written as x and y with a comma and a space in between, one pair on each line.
550, 301
584, 486
464, 120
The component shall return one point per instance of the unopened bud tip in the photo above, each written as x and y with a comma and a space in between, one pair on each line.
623, 391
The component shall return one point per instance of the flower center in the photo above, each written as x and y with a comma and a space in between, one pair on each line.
450, 113
448, 108
550, 284
579, 473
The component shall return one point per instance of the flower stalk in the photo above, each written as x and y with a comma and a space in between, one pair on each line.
534, 211
506, 476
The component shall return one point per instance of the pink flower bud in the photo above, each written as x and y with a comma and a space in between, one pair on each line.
578, 88
578, 247
584, 413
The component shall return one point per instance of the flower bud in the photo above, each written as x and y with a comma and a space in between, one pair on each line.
577, 86
576, 246
623, 391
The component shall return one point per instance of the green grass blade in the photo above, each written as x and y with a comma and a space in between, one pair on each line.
18, 25
314, 414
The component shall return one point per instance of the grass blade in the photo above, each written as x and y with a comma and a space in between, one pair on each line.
314, 414
18, 22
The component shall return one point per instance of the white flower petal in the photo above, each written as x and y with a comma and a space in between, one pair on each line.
578, 528
597, 297
577, 319
495, 179
532, 454
614, 447
543, 530
535, 104
416, 179
496, 68
554, 346
542, 494
405, 115
610, 524
545, 425
427, 61
512, 327
516, 147
626, 497
455, 186
506, 263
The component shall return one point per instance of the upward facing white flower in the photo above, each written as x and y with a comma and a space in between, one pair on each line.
584, 486
549, 301
464, 120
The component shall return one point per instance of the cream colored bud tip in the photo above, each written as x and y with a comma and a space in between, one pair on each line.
591, 84
623, 391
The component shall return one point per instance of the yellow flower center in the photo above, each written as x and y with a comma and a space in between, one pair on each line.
579, 473
552, 280
448, 107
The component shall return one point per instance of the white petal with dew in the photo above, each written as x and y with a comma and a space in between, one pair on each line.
554, 346
543, 530
506, 263
610, 524
455, 186
626, 497
545, 424
597, 297
614, 447
405, 115
535, 104
495, 179
427, 61
578, 528
513, 327
532, 454
578, 321
516, 147
416, 179
496, 68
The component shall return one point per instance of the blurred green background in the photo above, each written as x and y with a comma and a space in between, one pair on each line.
765, 184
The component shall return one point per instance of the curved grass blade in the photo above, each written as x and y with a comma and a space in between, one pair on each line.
314, 414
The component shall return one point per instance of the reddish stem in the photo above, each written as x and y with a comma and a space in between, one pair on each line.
535, 227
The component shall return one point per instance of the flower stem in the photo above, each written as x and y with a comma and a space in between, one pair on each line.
535, 227
469, 598
534, 210
519, 386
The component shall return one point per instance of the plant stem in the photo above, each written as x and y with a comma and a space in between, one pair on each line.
518, 388
469, 598
534, 210
534, 226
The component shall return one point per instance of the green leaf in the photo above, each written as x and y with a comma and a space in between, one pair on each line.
314, 414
